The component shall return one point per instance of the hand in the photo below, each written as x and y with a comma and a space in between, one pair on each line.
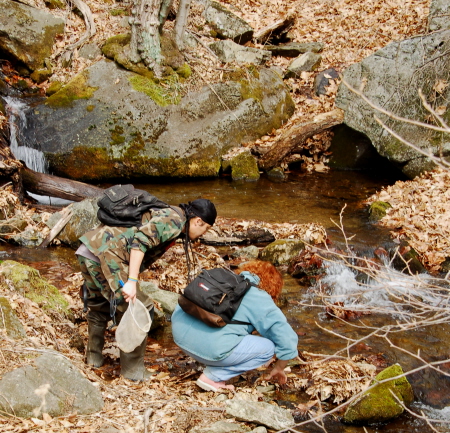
129, 291
278, 373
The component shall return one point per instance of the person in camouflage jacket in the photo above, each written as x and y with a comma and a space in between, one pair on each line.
111, 258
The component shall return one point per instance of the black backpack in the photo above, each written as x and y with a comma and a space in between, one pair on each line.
214, 297
123, 206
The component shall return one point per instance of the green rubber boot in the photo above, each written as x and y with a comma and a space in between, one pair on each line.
95, 345
132, 364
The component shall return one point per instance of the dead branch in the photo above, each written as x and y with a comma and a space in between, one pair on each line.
295, 136
274, 29
88, 20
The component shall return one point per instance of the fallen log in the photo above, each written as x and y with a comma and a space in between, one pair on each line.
274, 30
295, 136
54, 186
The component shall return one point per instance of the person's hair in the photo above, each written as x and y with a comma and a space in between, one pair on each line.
271, 280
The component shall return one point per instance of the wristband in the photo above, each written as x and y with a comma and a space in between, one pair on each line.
133, 279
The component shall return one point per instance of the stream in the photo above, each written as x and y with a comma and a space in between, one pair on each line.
320, 198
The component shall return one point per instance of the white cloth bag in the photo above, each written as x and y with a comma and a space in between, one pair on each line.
133, 327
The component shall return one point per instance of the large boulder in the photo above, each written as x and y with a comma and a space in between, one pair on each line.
111, 123
53, 385
391, 79
27, 34
439, 18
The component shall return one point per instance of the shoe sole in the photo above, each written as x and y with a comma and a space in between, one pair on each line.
207, 387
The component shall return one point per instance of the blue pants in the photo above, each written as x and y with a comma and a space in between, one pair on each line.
252, 352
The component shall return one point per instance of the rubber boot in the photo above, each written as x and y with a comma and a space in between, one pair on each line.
132, 364
95, 345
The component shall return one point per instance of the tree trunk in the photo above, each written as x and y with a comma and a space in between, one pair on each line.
164, 12
54, 186
181, 21
296, 135
145, 26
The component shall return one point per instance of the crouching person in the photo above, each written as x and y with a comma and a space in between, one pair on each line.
233, 349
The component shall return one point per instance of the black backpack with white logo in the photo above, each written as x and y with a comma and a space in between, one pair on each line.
123, 206
214, 297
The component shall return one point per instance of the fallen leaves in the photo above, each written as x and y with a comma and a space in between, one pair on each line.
420, 213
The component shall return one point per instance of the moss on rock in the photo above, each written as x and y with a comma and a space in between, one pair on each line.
77, 88
163, 96
243, 166
28, 282
378, 404
377, 210
10, 321
282, 251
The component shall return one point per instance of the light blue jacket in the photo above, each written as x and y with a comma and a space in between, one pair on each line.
214, 344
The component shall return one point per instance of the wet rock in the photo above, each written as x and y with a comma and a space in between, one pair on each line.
226, 25
306, 62
294, 49
12, 225
306, 265
377, 210
322, 81
277, 173
405, 259
28, 282
282, 251
10, 321
52, 385
28, 238
398, 65
256, 235
378, 404
27, 34
261, 413
242, 165
84, 218
229, 51
439, 16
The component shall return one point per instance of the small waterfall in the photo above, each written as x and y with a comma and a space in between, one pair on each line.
16, 112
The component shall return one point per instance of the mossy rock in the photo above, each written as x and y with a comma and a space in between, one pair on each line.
10, 321
75, 89
243, 166
28, 282
41, 75
377, 210
282, 251
54, 87
378, 404
55, 4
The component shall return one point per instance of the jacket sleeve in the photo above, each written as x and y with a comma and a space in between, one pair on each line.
162, 226
271, 323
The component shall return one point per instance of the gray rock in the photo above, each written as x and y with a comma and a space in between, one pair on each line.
259, 429
28, 238
10, 321
294, 49
167, 300
262, 413
277, 173
439, 16
250, 252
229, 51
90, 51
221, 427
114, 129
306, 62
84, 218
226, 24
27, 34
392, 77
53, 385
282, 251
322, 80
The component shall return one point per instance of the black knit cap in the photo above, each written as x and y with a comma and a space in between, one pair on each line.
204, 209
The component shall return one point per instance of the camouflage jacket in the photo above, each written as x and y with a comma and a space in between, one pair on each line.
112, 245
